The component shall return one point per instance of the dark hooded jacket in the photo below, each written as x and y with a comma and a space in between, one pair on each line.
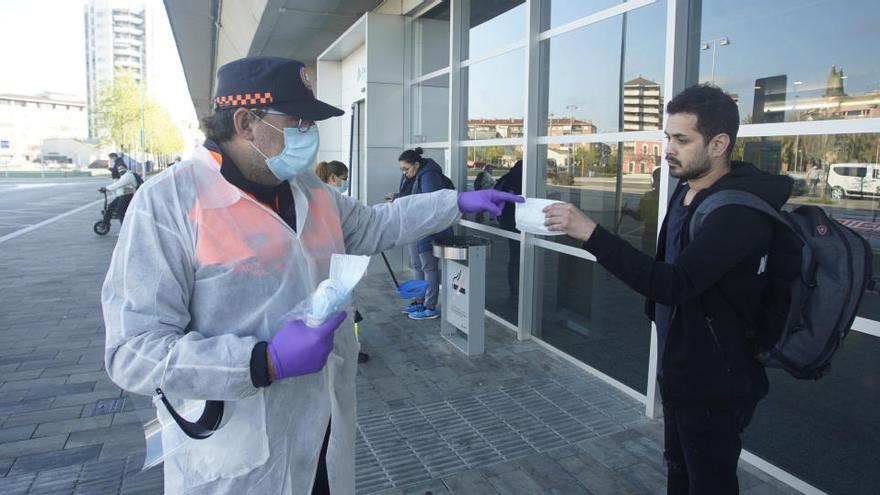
715, 287
429, 178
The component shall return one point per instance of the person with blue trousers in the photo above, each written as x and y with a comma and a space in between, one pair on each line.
423, 175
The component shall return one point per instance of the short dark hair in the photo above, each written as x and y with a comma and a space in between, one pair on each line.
411, 156
716, 111
112, 155
220, 127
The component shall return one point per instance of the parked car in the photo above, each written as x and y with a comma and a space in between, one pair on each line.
854, 179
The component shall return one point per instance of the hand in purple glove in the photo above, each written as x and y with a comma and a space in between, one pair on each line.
298, 349
486, 200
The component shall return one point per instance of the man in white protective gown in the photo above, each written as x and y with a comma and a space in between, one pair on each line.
215, 252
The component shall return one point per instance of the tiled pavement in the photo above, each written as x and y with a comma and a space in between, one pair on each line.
516, 420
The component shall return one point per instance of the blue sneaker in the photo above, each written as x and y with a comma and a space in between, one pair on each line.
413, 308
427, 314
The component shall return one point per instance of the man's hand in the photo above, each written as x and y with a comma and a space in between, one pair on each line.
389, 197
569, 219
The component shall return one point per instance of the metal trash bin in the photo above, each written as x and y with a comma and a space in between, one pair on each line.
463, 295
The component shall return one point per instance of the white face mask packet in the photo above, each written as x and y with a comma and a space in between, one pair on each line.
333, 294
530, 216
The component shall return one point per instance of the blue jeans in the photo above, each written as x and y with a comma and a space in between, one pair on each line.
426, 267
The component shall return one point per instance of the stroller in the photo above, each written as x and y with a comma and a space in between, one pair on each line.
109, 212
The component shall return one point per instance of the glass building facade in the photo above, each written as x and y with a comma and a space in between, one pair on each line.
576, 90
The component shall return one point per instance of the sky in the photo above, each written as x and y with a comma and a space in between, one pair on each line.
799, 38
42, 48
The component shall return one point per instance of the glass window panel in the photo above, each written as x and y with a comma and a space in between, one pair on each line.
430, 110
486, 165
848, 187
558, 12
494, 104
592, 316
493, 24
617, 190
502, 276
813, 63
431, 40
582, 89
825, 432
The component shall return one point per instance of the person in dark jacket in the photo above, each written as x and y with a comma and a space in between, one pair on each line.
701, 292
423, 175
511, 182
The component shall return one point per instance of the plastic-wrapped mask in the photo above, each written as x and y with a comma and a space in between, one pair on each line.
530, 216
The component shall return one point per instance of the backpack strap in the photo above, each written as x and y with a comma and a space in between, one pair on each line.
731, 197
726, 198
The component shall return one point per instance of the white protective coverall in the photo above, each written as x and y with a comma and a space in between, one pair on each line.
200, 274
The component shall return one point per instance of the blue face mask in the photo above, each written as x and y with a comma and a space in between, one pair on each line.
343, 186
298, 155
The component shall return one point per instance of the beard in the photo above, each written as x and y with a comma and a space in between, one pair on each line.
699, 169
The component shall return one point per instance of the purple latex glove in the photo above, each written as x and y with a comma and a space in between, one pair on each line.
298, 349
486, 200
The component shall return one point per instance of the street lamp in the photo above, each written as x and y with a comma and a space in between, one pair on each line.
571, 109
724, 40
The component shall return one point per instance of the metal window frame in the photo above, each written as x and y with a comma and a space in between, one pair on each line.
682, 18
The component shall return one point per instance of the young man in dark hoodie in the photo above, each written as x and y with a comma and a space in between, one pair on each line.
700, 291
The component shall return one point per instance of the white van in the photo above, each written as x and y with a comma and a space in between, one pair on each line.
854, 179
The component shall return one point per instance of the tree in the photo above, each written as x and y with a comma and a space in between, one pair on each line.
118, 116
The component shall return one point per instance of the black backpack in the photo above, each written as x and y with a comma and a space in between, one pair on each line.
817, 272
138, 180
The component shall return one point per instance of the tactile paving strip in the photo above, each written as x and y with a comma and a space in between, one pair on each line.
414, 444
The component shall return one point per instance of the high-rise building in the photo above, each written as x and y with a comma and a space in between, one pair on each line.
642, 105
116, 42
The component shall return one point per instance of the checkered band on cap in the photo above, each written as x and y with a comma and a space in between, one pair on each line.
245, 100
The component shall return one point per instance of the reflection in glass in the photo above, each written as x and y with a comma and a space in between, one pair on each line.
431, 40
430, 110
840, 173
493, 24
486, 166
589, 314
581, 78
825, 432
813, 66
502, 276
618, 190
493, 105
558, 12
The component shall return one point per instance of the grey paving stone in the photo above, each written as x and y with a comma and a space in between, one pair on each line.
549, 474
71, 425
55, 479
17, 485
433, 487
56, 390
5, 464
46, 416
16, 433
608, 452
470, 482
86, 398
32, 446
516, 481
29, 384
25, 406
595, 477
646, 477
